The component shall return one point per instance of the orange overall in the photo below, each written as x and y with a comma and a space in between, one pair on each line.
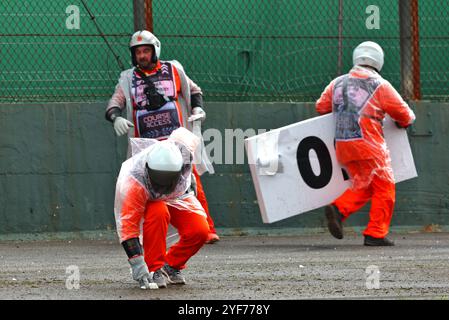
360, 100
157, 215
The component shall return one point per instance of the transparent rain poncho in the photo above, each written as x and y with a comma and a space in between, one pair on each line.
133, 190
360, 100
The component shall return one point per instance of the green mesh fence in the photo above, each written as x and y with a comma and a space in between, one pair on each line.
236, 50
46, 56
434, 43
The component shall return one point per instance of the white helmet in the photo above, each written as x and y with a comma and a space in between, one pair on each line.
369, 53
163, 166
145, 37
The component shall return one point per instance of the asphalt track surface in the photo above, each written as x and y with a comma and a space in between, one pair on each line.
237, 267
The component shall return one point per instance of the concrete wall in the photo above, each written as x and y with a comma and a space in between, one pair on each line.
59, 162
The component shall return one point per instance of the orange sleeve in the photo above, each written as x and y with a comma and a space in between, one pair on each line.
392, 103
177, 81
324, 103
133, 209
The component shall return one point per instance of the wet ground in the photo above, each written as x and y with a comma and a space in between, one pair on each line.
245, 267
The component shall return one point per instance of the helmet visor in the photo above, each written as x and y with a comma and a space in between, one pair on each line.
163, 182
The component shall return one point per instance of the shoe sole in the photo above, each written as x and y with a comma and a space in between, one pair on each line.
335, 228
161, 286
378, 244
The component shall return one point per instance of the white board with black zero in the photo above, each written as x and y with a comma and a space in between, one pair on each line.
295, 170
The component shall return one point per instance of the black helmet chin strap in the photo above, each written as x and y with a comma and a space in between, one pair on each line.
370, 67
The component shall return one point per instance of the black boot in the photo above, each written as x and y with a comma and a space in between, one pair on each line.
371, 241
334, 221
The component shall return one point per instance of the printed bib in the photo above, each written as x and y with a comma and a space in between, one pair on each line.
349, 98
158, 124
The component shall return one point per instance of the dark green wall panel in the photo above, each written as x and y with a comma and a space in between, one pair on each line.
59, 162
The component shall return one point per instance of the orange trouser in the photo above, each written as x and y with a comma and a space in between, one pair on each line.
380, 191
192, 228
201, 196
